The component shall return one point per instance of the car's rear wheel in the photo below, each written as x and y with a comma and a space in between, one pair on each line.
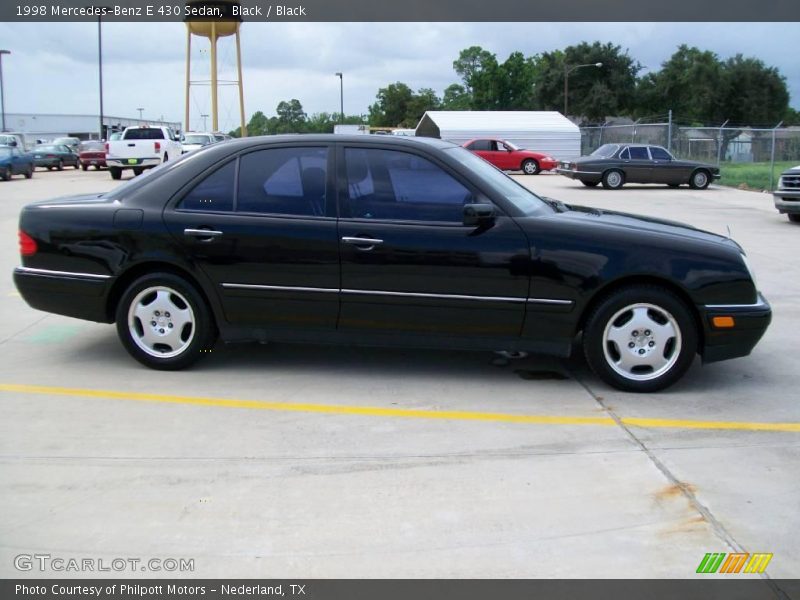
164, 322
6, 174
85, 167
116, 172
640, 339
700, 179
60, 165
590, 183
530, 167
794, 218
29, 172
613, 179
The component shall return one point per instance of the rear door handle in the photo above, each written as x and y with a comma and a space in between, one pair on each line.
362, 243
203, 235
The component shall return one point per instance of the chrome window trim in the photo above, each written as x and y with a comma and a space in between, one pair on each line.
50, 273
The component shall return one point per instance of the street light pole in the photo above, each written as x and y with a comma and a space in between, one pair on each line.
141, 110
100, 66
341, 96
2, 90
569, 69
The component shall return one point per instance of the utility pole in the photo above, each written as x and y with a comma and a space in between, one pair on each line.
567, 70
341, 96
2, 91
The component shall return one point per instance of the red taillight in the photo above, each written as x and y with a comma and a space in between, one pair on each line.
51, 156
27, 245
158, 146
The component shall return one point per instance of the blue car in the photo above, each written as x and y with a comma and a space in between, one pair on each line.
14, 162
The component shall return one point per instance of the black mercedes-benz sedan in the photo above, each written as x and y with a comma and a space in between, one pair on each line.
384, 241
614, 165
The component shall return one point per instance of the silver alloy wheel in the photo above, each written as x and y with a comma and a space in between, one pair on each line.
614, 179
700, 179
161, 322
642, 342
529, 167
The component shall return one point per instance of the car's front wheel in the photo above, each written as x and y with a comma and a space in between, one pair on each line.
530, 167
640, 339
164, 322
794, 217
613, 179
700, 180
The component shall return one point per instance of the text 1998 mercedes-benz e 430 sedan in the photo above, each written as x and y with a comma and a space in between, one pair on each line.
384, 241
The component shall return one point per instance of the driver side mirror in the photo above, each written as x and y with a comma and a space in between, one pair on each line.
478, 214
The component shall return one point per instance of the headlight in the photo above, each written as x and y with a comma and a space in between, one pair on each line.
780, 182
749, 270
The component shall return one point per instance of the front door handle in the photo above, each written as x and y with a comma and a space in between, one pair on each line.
203, 235
362, 243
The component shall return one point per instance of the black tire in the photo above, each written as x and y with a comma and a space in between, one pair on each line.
635, 307
85, 167
700, 179
794, 217
530, 167
613, 179
6, 174
590, 183
137, 171
60, 166
181, 345
29, 172
116, 172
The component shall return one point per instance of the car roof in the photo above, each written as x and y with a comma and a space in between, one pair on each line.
391, 140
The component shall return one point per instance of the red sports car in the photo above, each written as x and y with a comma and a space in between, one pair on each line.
505, 155
92, 153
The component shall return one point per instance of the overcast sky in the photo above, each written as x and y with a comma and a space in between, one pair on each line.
53, 67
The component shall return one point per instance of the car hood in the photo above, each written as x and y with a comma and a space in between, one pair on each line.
792, 171
629, 222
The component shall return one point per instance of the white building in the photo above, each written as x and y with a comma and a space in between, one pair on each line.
543, 131
37, 126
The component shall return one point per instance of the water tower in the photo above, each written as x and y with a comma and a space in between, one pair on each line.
214, 19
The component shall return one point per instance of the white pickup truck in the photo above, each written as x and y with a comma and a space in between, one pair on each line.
141, 148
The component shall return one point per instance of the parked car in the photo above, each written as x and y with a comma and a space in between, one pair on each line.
383, 241
221, 137
508, 157
194, 140
141, 148
72, 143
13, 139
614, 165
13, 162
787, 196
92, 154
54, 156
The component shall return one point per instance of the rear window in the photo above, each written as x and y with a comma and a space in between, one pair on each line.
144, 133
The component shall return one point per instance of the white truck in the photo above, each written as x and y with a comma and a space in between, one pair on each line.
141, 148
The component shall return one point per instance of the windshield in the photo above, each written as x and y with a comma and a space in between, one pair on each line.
92, 147
520, 196
66, 141
143, 133
48, 149
605, 151
197, 139
219, 138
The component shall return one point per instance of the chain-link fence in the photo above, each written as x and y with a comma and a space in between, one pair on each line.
769, 151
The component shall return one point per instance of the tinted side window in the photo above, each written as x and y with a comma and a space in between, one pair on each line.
625, 155
638, 153
659, 153
283, 181
392, 185
483, 145
214, 193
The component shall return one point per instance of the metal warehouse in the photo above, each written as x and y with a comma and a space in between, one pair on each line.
544, 131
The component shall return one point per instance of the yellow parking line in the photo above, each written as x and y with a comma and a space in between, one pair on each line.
374, 411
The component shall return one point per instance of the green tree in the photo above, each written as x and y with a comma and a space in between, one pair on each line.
392, 105
594, 92
754, 93
291, 117
456, 98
